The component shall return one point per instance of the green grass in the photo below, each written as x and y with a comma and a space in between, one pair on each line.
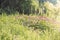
18, 27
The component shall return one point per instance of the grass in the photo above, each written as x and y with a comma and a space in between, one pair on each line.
23, 27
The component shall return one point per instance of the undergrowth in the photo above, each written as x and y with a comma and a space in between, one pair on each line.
22, 27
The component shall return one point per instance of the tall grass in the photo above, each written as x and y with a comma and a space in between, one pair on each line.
22, 27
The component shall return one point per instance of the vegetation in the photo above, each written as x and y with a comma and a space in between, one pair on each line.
37, 7
29, 20
23, 27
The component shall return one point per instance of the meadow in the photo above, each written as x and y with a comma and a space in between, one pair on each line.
23, 27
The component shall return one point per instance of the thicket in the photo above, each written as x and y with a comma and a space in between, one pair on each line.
38, 7
24, 6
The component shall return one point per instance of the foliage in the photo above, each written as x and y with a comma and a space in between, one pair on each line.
37, 7
12, 28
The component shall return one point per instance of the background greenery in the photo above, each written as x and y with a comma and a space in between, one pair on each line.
29, 20
38, 7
